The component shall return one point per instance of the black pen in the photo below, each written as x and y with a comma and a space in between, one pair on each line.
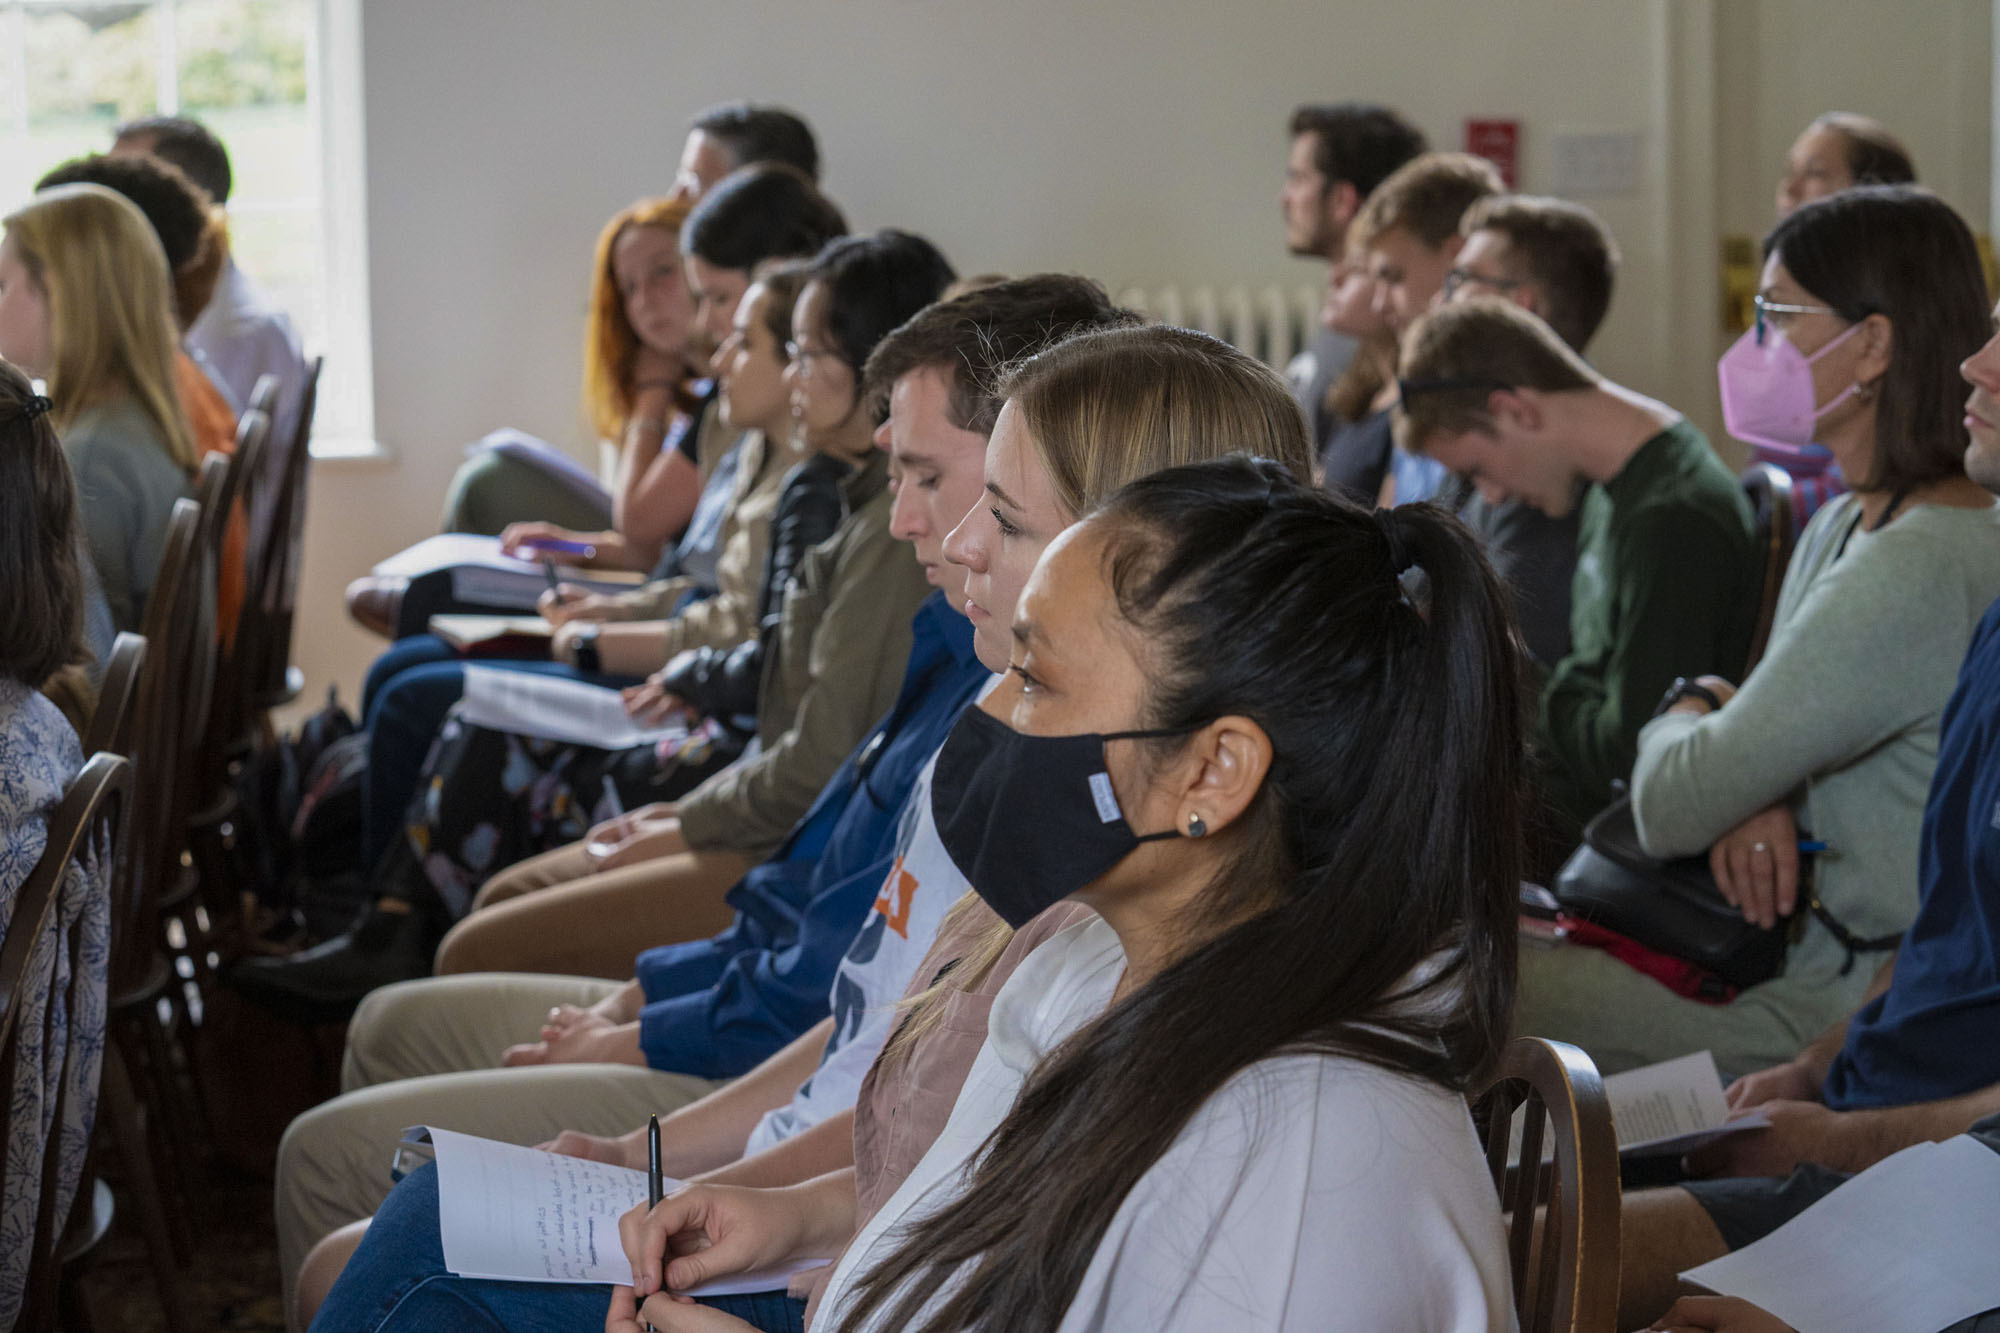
653, 1182
549, 567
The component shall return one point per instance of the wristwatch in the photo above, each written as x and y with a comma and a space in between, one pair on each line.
1682, 688
585, 646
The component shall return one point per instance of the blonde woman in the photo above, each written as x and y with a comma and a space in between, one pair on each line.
85, 306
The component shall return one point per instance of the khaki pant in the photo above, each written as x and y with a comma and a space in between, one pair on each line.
554, 913
425, 1053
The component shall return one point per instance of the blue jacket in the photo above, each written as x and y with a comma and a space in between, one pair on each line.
1932, 1034
719, 1006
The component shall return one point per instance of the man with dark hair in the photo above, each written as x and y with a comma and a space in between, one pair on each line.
827, 940
1339, 153
241, 334
1554, 259
724, 138
1548, 256
1667, 576
187, 144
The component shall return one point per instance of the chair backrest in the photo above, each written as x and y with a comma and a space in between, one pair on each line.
209, 484
264, 395
1565, 1281
1769, 489
276, 532
111, 725
87, 819
172, 710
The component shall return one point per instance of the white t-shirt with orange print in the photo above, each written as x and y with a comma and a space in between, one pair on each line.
921, 886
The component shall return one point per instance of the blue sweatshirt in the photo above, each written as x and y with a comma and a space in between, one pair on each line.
717, 1007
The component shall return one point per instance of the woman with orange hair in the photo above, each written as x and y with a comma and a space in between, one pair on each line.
640, 363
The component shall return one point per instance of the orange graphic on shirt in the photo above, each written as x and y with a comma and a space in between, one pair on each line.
894, 900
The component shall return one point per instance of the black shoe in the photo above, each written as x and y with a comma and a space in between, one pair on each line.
323, 984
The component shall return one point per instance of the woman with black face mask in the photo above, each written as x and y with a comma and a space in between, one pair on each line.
1274, 741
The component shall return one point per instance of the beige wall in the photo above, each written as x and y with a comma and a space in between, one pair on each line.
1138, 141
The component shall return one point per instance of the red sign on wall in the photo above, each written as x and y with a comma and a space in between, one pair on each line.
1499, 142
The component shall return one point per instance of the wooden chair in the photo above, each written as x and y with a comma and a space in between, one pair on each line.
84, 823
1769, 489
111, 725
145, 1058
1565, 1278
277, 530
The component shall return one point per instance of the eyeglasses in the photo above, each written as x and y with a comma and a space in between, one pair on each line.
1460, 277
1767, 308
805, 356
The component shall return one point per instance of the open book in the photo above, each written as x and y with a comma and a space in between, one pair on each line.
522, 1215
1672, 1107
1904, 1247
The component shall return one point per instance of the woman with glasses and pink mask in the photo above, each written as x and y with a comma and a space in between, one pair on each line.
1868, 302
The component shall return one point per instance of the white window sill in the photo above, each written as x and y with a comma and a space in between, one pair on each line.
350, 451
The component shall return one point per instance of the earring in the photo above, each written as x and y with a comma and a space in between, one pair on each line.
1197, 827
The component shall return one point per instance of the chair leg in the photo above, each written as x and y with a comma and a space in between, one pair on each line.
144, 1184
180, 1142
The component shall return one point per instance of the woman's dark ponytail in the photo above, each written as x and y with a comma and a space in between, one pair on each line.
1371, 913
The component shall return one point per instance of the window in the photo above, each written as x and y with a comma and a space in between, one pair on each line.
254, 72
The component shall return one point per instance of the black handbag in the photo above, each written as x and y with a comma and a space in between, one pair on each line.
1672, 907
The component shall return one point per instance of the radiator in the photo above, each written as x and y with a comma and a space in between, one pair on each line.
1270, 323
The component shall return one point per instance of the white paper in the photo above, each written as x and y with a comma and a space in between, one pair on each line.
515, 1214
1672, 1107
1904, 1247
553, 708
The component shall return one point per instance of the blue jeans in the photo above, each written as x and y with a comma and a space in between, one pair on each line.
409, 690
397, 1280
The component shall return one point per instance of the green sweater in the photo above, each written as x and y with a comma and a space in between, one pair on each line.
1667, 584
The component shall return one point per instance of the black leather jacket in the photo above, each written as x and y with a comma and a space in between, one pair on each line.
722, 682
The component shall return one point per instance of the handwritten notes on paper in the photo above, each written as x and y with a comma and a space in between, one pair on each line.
516, 1214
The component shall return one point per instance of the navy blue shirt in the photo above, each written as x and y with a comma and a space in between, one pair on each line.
1935, 1033
719, 1006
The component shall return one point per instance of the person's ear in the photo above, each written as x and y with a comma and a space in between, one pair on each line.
1233, 757
1878, 342
882, 435
1529, 298
1520, 409
1343, 201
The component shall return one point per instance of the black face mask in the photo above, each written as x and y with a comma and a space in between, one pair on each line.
1029, 820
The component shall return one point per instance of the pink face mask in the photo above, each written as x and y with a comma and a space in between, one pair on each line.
1767, 391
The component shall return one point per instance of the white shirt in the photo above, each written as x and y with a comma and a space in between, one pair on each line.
921, 886
239, 336
1309, 1193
